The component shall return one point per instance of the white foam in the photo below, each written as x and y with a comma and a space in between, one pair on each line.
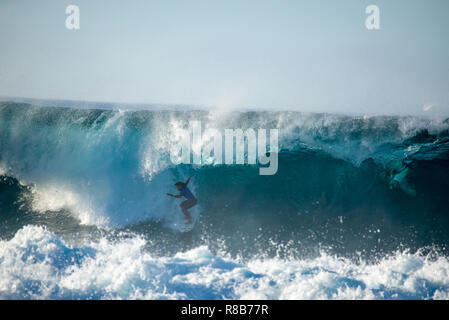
54, 197
2, 170
36, 264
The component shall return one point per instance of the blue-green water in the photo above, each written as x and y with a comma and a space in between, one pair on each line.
358, 207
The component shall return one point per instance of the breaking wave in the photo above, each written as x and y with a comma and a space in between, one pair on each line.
357, 209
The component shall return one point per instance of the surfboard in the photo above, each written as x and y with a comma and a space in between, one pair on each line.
180, 222
182, 226
186, 227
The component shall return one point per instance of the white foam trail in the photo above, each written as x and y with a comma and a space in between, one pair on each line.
36, 264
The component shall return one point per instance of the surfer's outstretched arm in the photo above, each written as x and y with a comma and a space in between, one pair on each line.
174, 195
187, 181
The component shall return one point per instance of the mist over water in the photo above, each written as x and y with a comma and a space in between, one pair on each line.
357, 209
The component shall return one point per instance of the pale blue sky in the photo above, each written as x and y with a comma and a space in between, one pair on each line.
301, 55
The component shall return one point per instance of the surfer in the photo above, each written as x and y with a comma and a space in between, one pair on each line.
185, 192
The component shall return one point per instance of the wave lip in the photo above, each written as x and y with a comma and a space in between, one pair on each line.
36, 264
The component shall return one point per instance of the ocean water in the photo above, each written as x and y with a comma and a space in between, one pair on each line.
357, 209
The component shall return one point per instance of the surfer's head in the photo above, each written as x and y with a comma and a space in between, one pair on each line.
179, 185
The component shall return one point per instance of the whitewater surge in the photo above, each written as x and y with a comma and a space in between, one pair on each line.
36, 264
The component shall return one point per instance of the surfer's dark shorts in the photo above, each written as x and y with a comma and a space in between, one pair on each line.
188, 203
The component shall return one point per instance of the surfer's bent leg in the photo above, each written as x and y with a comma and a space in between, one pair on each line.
187, 205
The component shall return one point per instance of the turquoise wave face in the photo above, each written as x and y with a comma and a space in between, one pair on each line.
352, 185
